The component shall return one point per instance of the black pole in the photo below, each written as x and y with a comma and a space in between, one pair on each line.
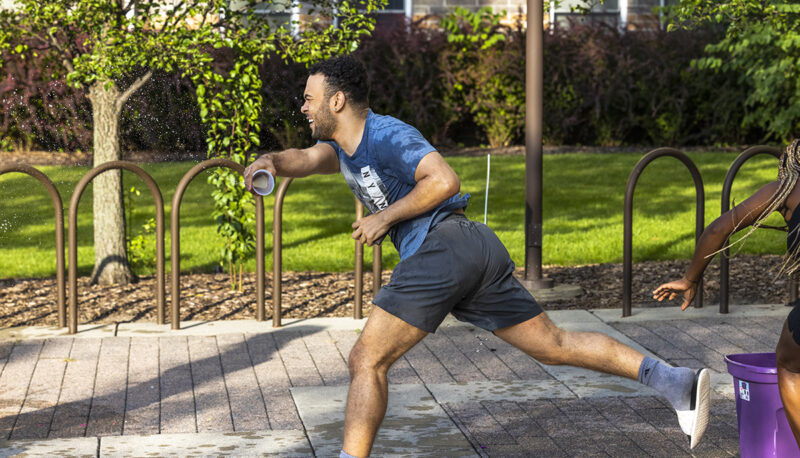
533, 147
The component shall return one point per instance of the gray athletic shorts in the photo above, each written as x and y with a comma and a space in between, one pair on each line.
461, 268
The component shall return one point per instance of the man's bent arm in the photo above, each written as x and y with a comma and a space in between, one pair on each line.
436, 182
297, 163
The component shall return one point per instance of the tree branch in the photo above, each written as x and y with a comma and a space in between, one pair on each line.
205, 15
52, 42
172, 15
131, 89
125, 8
64, 54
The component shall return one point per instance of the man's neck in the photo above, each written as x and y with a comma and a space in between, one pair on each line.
350, 132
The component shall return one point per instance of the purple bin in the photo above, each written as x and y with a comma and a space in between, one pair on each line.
763, 428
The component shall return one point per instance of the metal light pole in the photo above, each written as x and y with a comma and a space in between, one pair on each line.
534, 76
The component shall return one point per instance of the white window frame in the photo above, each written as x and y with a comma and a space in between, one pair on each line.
407, 10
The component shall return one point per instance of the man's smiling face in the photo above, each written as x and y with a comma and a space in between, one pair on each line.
316, 109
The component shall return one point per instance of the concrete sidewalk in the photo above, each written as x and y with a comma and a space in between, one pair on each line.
244, 388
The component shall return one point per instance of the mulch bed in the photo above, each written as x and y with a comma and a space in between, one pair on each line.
318, 294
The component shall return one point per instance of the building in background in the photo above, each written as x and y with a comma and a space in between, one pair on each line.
627, 15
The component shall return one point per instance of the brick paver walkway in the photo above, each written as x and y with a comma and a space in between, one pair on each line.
162, 383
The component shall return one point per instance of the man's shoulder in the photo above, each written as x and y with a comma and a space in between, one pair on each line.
385, 122
336, 148
388, 129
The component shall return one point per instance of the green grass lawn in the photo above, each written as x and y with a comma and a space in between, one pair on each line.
583, 212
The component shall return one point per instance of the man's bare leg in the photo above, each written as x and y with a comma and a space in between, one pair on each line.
385, 338
549, 344
688, 392
788, 355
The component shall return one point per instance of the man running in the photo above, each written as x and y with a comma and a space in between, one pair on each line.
448, 264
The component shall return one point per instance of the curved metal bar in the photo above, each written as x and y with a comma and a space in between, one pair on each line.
628, 218
727, 186
58, 209
377, 268
277, 250
175, 235
277, 258
73, 230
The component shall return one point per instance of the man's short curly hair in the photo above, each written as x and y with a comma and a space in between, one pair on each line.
346, 74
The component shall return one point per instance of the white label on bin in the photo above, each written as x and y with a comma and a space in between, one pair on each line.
744, 390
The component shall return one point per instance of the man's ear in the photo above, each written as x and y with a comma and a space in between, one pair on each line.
338, 101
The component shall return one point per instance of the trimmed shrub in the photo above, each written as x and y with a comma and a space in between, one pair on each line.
283, 125
601, 87
606, 88
38, 109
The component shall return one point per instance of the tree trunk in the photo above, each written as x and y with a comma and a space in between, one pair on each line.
110, 253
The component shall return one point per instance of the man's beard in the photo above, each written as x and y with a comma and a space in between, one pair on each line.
324, 125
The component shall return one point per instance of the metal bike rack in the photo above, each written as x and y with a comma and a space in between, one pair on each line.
628, 218
724, 268
175, 234
377, 262
175, 246
73, 239
58, 208
277, 251
277, 259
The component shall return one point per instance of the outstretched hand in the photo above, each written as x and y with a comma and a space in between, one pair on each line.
672, 289
262, 163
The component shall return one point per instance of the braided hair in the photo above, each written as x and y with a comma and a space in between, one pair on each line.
788, 174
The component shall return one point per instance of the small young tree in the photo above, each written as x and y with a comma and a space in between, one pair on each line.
111, 47
231, 105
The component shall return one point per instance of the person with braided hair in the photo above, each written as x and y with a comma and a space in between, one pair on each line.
781, 195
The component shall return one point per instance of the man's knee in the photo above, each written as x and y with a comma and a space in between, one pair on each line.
554, 352
362, 360
538, 337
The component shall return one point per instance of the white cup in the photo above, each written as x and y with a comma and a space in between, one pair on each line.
263, 182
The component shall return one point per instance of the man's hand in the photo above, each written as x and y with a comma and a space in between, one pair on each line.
672, 289
369, 229
264, 162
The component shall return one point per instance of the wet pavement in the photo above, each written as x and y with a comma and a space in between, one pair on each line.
245, 388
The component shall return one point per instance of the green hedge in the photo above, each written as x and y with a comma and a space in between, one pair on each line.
601, 87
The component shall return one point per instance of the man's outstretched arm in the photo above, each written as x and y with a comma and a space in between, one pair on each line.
297, 163
436, 182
